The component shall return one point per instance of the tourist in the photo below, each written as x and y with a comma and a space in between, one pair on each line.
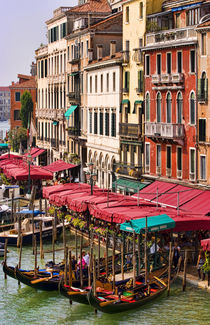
176, 254
78, 267
87, 259
200, 263
74, 263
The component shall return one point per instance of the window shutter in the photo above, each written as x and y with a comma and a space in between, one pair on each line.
113, 131
101, 123
107, 124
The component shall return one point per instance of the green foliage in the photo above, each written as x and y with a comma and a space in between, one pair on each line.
17, 136
26, 108
4, 179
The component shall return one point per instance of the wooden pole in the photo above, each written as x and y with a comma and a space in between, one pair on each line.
106, 257
55, 228
65, 267
35, 256
81, 275
40, 204
64, 237
113, 262
139, 253
45, 206
33, 228
70, 269
20, 254
169, 267
76, 249
145, 254
5, 255
19, 230
12, 208
99, 255
122, 260
53, 241
185, 271
41, 241
134, 261
94, 275
127, 246
90, 267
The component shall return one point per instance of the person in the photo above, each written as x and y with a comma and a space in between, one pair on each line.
74, 263
78, 267
200, 263
176, 254
152, 248
87, 258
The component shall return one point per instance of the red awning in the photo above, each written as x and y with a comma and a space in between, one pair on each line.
10, 156
49, 190
151, 191
59, 165
199, 204
205, 243
35, 152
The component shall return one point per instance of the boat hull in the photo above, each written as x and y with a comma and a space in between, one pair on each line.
80, 297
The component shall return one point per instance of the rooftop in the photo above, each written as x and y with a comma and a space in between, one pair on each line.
93, 6
4, 89
24, 82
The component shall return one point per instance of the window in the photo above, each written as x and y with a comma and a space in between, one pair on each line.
81, 83
114, 81
45, 68
102, 83
72, 52
140, 42
203, 44
168, 107
179, 158
101, 123
158, 103
95, 122
82, 49
169, 63
90, 122
39, 69
127, 77
141, 10
179, 62
147, 113
113, 125
17, 96
192, 161
17, 115
107, 124
158, 63
63, 30
147, 68
90, 84
127, 46
192, 108
203, 88
147, 156
127, 14
203, 167
158, 157
87, 46
192, 61
202, 130
140, 81
168, 153
179, 108
107, 82
193, 16
96, 84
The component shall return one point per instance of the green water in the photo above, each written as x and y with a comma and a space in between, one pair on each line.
24, 305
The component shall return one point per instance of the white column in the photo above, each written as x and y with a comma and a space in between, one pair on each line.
53, 99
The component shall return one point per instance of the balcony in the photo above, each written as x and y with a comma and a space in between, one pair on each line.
73, 131
167, 78
131, 170
138, 56
74, 95
172, 36
126, 57
60, 114
74, 60
125, 90
128, 130
55, 144
164, 130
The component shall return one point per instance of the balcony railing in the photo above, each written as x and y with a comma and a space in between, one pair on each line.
167, 78
164, 130
172, 35
131, 170
138, 56
126, 56
55, 144
74, 95
73, 131
74, 60
128, 129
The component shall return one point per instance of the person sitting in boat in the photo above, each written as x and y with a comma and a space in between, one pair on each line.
78, 267
87, 258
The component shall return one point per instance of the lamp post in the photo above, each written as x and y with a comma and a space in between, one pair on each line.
9, 147
91, 176
29, 159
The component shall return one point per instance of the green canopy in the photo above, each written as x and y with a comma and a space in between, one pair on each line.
3, 145
154, 223
70, 111
137, 102
126, 102
55, 122
129, 185
74, 73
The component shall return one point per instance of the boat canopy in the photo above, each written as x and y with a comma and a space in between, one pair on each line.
36, 212
154, 223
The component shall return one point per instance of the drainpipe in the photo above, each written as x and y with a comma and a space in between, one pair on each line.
197, 124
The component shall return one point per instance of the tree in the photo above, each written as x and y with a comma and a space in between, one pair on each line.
26, 108
17, 136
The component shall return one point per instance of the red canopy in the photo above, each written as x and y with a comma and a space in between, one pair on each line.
205, 243
59, 165
48, 190
199, 204
35, 173
10, 156
35, 151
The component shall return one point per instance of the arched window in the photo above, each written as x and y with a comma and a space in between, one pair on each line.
158, 100
147, 112
168, 107
192, 108
203, 88
179, 108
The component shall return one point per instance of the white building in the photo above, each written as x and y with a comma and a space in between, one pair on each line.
103, 103
4, 103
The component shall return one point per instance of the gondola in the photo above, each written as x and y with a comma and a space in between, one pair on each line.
125, 298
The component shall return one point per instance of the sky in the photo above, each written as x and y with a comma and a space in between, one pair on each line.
22, 30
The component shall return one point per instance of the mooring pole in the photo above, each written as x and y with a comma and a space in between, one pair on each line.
145, 253
169, 267
185, 271
5, 256
41, 241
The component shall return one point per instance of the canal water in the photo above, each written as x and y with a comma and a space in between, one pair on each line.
22, 305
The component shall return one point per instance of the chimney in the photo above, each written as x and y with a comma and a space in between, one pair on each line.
112, 48
99, 52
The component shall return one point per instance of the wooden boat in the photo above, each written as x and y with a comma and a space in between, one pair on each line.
27, 231
125, 298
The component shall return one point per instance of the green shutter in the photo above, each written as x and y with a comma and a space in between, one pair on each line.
141, 80
113, 131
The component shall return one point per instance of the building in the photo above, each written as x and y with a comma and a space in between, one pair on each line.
170, 91
4, 103
203, 95
85, 44
25, 83
104, 77
129, 167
